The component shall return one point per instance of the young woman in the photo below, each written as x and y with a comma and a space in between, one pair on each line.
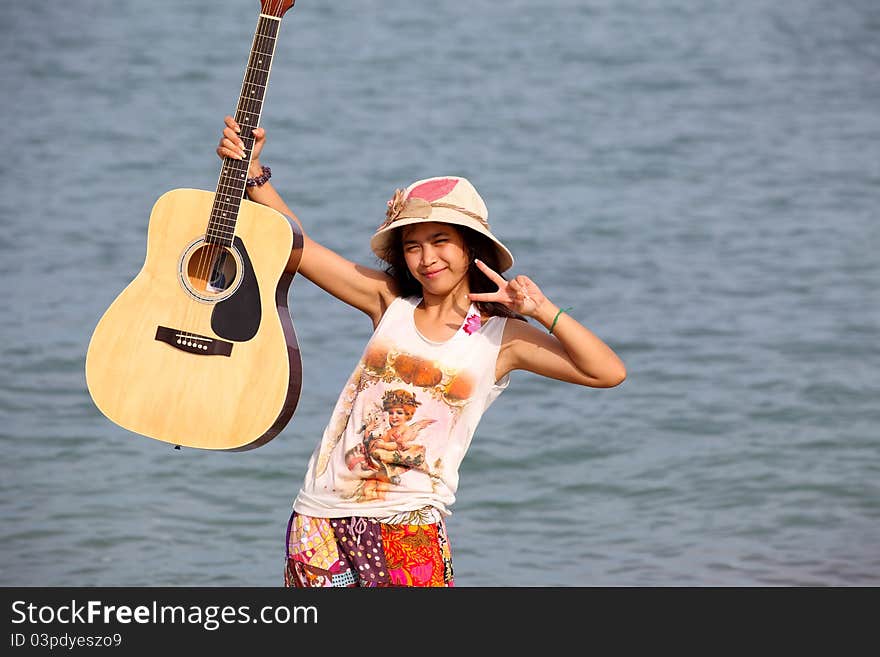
448, 330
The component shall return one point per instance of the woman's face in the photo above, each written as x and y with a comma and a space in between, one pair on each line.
436, 255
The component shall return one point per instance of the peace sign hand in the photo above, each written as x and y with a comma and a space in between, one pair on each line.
519, 294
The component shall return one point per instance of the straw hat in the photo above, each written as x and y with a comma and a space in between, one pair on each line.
447, 199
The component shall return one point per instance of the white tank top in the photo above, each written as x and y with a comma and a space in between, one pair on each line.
404, 420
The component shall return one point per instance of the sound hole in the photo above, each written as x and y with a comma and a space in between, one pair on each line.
211, 269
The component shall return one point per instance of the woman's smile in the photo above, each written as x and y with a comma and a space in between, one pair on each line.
434, 273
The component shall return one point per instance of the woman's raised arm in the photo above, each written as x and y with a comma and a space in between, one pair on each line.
368, 290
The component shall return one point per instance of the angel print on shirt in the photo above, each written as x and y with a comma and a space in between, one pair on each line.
389, 448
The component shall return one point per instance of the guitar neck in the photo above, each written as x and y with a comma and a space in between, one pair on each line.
233, 173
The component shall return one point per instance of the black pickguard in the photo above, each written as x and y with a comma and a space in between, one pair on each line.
238, 317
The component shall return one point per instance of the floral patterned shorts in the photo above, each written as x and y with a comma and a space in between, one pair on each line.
358, 551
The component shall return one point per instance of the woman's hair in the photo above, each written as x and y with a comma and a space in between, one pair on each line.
479, 247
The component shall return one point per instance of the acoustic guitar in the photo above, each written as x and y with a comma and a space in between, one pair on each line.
199, 350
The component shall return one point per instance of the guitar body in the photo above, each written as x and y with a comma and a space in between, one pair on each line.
199, 350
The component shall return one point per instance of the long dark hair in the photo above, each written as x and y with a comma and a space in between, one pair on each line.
479, 247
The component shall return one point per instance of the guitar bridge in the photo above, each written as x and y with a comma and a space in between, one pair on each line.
192, 343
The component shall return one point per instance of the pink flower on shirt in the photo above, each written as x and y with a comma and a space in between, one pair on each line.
472, 323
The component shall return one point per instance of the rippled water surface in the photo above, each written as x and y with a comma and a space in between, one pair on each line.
699, 180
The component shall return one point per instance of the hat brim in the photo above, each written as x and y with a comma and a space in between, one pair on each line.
382, 238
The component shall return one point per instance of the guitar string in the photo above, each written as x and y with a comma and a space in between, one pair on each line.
212, 256
207, 248
188, 321
246, 106
220, 229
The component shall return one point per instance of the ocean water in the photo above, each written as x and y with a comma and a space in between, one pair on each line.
699, 180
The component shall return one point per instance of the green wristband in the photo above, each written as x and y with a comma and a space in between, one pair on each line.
556, 319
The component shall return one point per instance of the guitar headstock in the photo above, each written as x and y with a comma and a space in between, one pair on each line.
276, 8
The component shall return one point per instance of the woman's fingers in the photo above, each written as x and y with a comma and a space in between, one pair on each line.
259, 140
518, 293
520, 289
523, 282
231, 144
230, 148
516, 289
494, 276
509, 292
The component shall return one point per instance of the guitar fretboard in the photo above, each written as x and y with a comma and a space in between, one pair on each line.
233, 174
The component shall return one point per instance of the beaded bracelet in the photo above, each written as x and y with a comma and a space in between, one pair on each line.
260, 180
556, 319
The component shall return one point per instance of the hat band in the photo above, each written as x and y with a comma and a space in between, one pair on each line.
457, 208
420, 208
